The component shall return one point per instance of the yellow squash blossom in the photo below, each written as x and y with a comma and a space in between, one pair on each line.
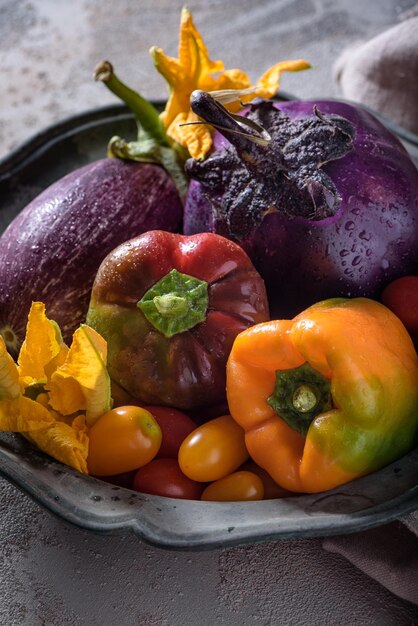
54, 393
195, 70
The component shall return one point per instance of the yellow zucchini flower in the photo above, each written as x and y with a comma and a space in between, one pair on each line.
54, 393
195, 70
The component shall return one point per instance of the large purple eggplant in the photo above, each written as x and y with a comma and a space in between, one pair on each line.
320, 194
53, 248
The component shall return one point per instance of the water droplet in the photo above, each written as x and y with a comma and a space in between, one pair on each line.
365, 236
344, 253
356, 260
385, 264
350, 225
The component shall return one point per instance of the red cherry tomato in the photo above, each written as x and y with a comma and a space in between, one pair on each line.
213, 450
401, 297
236, 487
175, 426
271, 489
125, 480
122, 440
163, 477
206, 413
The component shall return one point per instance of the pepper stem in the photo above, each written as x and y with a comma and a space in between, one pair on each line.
304, 398
300, 394
170, 305
176, 303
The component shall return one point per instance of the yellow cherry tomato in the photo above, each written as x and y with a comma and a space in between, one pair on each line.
122, 440
237, 487
213, 450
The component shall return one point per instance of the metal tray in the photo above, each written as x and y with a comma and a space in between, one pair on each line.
168, 523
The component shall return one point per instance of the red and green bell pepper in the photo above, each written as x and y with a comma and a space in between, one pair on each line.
170, 307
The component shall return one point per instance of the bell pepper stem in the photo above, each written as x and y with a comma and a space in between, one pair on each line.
176, 303
170, 305
299, 395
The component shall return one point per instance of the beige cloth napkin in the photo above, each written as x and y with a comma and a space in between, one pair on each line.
389, 554
383, 73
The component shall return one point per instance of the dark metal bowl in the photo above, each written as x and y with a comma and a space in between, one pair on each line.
82, 500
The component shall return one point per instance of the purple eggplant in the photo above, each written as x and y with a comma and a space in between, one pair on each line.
53, 248
322, 196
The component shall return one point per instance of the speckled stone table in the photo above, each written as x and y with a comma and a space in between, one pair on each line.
52, 574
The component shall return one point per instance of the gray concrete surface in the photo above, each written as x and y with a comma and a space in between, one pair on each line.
52, 574
48, 48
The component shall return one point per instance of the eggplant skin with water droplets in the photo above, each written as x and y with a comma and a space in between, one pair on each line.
366, 232
53, 248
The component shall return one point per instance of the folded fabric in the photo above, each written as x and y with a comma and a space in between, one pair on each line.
383, 73
389, 554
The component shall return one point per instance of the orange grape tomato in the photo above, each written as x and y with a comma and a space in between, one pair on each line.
122, 440
163, 477
239, 486
213, 450
271, 489
175, 426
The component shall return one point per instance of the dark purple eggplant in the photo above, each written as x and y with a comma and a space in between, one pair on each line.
323, 198
53, 248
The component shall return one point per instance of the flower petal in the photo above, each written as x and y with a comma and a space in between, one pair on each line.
82, 382
193, 53
233, 79
9, 375
192, 69
23, 415
42, 344
65, 443
268, 84
196, 138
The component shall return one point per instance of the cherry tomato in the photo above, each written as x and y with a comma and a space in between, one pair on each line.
163, 477
175, 426
271, 489
213, 450
236, 487
121, 440
126, 479
206, 413
401, 297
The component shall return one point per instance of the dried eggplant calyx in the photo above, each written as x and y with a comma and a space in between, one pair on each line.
274, 163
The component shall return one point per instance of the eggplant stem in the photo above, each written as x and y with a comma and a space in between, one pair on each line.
213, 113
254, 138
146, 115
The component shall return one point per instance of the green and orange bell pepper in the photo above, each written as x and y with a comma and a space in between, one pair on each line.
328, 396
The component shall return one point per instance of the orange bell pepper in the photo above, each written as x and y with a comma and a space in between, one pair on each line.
328, 396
